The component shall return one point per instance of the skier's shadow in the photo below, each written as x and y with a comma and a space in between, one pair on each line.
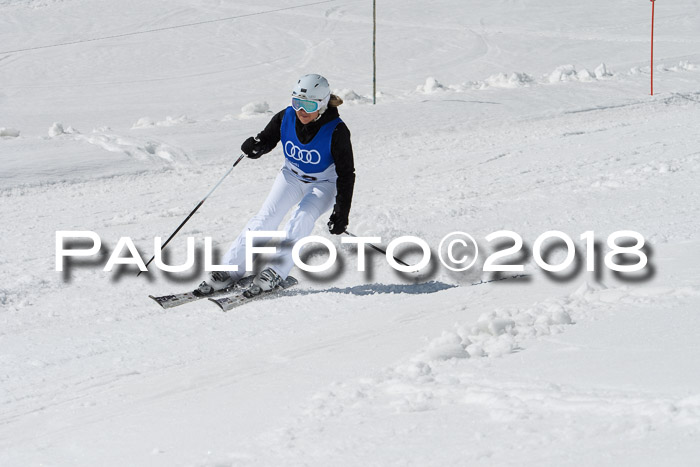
373, 289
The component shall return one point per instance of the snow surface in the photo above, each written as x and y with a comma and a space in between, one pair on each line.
522, 115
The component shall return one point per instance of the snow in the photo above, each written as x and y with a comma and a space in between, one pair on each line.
145, 122
254, 109
351, 97
521, 116
9, 133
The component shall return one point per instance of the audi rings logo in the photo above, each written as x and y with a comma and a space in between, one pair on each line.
304, 156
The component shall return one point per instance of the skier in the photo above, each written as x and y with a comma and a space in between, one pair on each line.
318, 173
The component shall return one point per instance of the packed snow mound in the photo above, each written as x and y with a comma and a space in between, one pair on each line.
430, 86
146, 122
8, 132
518, 80
682, 66
144, 150
350, 96
686, 65
448, 345
255, 109
497, 81
569, 73
514, 80
602, 71
57, 129
504, 331
136, 148
500, 332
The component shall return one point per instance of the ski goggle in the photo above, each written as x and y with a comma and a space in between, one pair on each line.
309, 106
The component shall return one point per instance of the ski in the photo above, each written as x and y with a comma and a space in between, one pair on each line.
173, 300
241, 297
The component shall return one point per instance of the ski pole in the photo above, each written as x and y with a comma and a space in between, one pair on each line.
380, 250
194, 210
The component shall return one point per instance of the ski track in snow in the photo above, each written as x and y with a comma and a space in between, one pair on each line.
436, 377
142, 150
442, 379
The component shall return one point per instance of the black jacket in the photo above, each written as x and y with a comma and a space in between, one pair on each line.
341, 150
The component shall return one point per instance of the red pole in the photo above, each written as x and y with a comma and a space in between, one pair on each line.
652, 46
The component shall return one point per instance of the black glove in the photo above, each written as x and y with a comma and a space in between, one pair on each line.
338, 221
253, 148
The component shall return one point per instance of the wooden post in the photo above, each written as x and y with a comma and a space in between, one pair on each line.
374, 51
652, 46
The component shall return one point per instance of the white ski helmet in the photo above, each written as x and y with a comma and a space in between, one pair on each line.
313, 87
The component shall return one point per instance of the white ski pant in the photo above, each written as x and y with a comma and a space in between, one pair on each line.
314, 199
